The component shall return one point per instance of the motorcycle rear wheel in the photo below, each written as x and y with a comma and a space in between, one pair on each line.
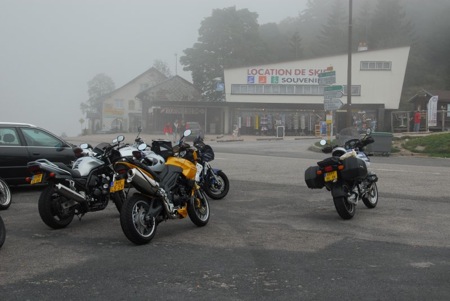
372, 200
344, 208
218, 190
137, 224
51, 211
5, 195
2, 232
198, 208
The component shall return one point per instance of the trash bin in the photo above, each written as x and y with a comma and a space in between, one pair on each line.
382, 145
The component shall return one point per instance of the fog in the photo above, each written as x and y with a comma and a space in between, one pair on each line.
50, 49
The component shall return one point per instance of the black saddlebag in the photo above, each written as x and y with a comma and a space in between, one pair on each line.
354, 169
312, 179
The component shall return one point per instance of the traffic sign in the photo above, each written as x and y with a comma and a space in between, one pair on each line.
327, 74
327, 78
332, 104
333, 92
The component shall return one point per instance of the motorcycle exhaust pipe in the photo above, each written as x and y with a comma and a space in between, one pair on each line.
140, 179
69, 193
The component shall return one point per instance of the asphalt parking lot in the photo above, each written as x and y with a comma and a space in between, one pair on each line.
271, 238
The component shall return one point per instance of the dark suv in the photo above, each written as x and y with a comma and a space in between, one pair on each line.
196, 130
21, 143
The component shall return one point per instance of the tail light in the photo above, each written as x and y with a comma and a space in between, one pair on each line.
328, 168
122, 171
34, 168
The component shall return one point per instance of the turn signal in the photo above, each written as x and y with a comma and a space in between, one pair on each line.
340, 167
28, 179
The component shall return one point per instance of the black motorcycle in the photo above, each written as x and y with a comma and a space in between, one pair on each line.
5, 195
5, 202
346, 173
214, 181
2, 232
87, 186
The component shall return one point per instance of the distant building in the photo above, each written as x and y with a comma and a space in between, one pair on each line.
260, 99
121, 111
289, 94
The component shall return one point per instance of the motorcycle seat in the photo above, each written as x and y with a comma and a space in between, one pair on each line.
74, 173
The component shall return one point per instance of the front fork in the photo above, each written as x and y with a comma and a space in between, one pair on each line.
213, 172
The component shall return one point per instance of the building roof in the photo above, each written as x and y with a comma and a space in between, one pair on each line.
150, 72
443, 95
173, 89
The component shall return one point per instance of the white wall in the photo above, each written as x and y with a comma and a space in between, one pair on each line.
377, 87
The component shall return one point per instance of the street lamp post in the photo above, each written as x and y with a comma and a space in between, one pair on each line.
349, 67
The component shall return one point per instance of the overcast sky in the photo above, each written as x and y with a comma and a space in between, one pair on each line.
50, 49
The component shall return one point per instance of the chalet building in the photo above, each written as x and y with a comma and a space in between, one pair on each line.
434, 106
120, 110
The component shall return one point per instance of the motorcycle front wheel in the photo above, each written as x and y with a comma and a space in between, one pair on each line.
2, 232
217, 189
138, 218
5, 195
51, 210
371, 197
198, 208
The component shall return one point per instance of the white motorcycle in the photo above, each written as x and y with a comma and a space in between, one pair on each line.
346, 173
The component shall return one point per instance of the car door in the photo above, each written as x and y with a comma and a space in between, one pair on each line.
42, 144
13, 156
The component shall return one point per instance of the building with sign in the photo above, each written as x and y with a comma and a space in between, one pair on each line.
261, 98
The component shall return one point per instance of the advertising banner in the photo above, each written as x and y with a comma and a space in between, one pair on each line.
432, 111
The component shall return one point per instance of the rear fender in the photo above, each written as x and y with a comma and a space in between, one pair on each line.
338, 191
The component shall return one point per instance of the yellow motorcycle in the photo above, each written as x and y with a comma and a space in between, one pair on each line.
172, 193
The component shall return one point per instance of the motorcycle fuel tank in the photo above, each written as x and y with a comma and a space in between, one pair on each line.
189, 169
85, 164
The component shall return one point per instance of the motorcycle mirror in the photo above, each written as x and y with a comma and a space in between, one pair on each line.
120, 138
323, 142
369, 131
142, 146
187, 133
84, 146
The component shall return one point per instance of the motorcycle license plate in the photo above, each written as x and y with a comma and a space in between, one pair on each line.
331, 176
37, 178
118, 185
